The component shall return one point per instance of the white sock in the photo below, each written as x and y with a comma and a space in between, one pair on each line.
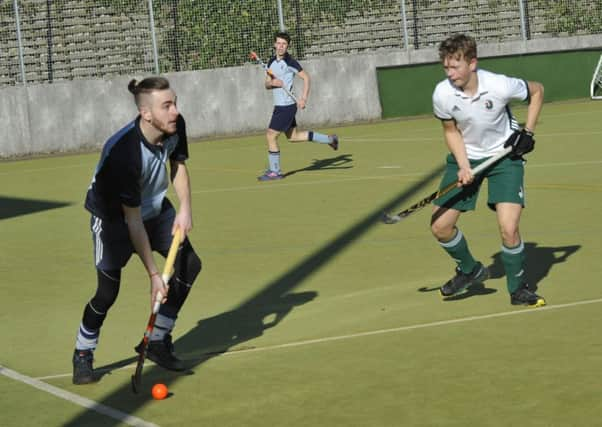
163, 325
86, 339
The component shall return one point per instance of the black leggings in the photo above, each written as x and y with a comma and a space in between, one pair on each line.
187, 266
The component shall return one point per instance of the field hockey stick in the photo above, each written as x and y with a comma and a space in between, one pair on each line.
393, 219
167, 272
254, 57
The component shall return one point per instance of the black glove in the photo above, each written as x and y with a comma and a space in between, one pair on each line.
521, 141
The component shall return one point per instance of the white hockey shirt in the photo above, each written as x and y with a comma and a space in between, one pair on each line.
485, 119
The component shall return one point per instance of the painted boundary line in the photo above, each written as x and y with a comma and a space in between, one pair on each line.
281, 185
236, 351
78, 400
413, 327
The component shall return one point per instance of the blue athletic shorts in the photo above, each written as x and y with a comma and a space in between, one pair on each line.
283, 118
112, 245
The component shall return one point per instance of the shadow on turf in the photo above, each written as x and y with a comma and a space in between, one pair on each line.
265, 309
13, 206
540, 260
332, 163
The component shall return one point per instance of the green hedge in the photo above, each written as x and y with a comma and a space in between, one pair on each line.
407, 90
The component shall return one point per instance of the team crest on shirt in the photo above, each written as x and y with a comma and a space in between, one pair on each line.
489, 104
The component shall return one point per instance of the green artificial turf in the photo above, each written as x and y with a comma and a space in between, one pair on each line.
309, 311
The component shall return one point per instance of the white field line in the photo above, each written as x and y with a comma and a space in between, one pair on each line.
583, 163
414, 327
51, 168
367, 178
76, 399
365, 138
517, 312
376, 138
260, 186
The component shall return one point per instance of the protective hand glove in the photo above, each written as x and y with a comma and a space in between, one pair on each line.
521, 141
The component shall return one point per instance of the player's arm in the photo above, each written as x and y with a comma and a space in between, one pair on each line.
181, 182
455, 144
141, 244
536, 93
523, 141
306, 86
271, 81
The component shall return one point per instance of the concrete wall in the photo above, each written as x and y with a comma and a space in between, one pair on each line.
82, 114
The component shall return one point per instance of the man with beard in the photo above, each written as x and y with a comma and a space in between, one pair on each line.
130, 213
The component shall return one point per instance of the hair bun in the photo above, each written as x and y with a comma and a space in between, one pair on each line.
133, 86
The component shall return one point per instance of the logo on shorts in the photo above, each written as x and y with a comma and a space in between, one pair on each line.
489, 104
520, 192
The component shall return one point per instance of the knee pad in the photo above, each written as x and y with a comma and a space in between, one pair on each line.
188, 265
186, 268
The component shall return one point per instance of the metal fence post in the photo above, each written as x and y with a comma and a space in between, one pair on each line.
298, 30
153, 35
404, 24
176, 52
524, 20
280, 15
19, 42
49, 38
415, 13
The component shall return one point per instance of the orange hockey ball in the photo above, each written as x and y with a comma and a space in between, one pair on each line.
159, 391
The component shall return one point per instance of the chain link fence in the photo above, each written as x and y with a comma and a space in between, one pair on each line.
53, 40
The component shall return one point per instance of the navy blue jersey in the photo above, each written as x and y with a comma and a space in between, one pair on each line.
284, 69
133, 172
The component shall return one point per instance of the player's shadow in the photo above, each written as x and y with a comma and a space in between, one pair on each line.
539, 262
265, 309
14, 206
339, 162
218, 334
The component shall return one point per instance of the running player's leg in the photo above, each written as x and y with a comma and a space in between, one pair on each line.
283, 118
273, 153
295, 135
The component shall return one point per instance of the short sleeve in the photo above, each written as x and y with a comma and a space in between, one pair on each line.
180, 152
124, 167
516, 89
439, 109
294, 64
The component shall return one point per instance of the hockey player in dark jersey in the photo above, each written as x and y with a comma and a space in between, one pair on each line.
131, 214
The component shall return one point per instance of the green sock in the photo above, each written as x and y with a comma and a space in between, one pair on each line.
457, 248
514, 263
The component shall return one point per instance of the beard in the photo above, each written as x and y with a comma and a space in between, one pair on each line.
166, 127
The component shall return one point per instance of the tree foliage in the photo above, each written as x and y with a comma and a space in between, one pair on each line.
571, 16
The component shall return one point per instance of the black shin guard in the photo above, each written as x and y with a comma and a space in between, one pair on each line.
186, 268
106, 294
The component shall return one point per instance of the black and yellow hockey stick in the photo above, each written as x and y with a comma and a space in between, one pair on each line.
167, 272
394, 219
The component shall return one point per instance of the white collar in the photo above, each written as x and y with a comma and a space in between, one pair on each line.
481, 89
